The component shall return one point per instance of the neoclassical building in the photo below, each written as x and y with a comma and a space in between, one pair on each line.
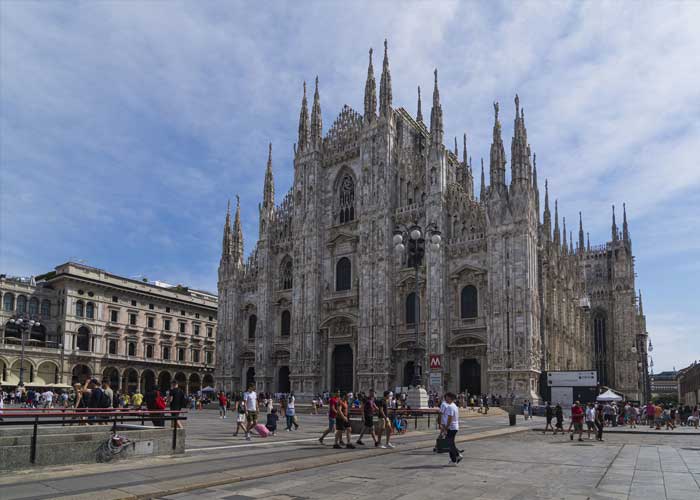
323, 301
136, 334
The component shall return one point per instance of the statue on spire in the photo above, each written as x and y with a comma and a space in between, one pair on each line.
436, 125
304, 131
385, 86
370, 93
316, 120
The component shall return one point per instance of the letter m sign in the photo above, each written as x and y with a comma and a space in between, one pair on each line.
435, 361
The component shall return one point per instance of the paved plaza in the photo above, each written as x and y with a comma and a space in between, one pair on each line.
501, 462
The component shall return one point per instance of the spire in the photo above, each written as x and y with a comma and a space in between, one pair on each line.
588, 242
316, 120
456, 149
370, 93
519, 149
419, 114
482, 193
614, 226
226, 243
385, 86
565, 247
269, 189
535, 187
641, 307
625, 228
464, 150
436, 126
571, 243
547, 216
303, 140
557, 235
580, 233
498, 154
237, 236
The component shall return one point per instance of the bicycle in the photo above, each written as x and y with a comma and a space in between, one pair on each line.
400, 425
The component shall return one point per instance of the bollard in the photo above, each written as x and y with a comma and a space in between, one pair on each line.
175, 417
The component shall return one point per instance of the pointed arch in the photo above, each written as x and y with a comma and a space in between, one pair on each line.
344, 187
286, 273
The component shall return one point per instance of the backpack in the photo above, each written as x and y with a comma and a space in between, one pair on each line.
103, 400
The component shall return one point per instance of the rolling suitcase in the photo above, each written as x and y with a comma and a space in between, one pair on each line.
262, 430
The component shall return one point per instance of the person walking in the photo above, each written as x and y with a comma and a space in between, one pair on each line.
332, 413
548, 415
177, 402
590, 419
368, 410
290, 412
559, 416
450, 426
222, 405
385, 421
599, 422
240, 416
251, 409
577, 421
342, 423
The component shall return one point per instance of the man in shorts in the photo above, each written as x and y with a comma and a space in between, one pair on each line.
332, 412
577, 421
548, 414
342, 422
368, 409
384, 421
251, 409
590, 419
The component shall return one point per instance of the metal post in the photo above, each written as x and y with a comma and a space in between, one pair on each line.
32, 452
21, 358
175, 416
416, 319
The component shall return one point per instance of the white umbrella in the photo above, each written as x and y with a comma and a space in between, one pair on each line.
208, 389
609, 396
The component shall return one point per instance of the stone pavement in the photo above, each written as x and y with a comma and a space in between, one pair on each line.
520, 466
213, 457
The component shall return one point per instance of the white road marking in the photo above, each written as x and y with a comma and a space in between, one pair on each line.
243, 445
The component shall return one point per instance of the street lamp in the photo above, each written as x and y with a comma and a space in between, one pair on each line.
411, 241
24, 326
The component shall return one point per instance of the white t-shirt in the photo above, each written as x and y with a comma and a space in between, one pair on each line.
451, 410
290, 402
590, 414
48, 396
251, 400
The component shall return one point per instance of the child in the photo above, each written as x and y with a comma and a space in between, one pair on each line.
271, 424
240, 417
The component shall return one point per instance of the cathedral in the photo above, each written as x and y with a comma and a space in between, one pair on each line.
504, 294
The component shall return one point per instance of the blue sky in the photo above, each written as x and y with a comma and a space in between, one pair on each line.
126, 126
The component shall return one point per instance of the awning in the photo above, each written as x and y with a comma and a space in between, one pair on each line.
609, 396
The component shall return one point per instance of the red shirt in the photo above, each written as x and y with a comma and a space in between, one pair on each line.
577, 413
222, 399
332, 404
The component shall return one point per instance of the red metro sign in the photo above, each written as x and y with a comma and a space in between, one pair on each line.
435, 362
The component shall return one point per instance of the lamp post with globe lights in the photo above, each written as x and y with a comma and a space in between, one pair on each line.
24, 325
411, 240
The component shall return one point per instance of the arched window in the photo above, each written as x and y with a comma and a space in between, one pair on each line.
82, 341
21, 304
346, 198
166, 352
600, 347
112, 347
131, 349
412, 309
343, 275
33, 306
90, 310
80, 309
469, 302
286, 324
45, 308
149, 350
286, 273
252, 323
8, 302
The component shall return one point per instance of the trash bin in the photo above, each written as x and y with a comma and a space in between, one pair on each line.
511, 418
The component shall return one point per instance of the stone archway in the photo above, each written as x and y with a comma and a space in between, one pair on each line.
208, 380
46, 373
164, 381
148, 381
195, 383
130, 381
343, 368
181, 380
111, 376
283, 383
80, 374
470, 376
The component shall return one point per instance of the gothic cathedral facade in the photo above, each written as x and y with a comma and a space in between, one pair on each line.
323, 301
